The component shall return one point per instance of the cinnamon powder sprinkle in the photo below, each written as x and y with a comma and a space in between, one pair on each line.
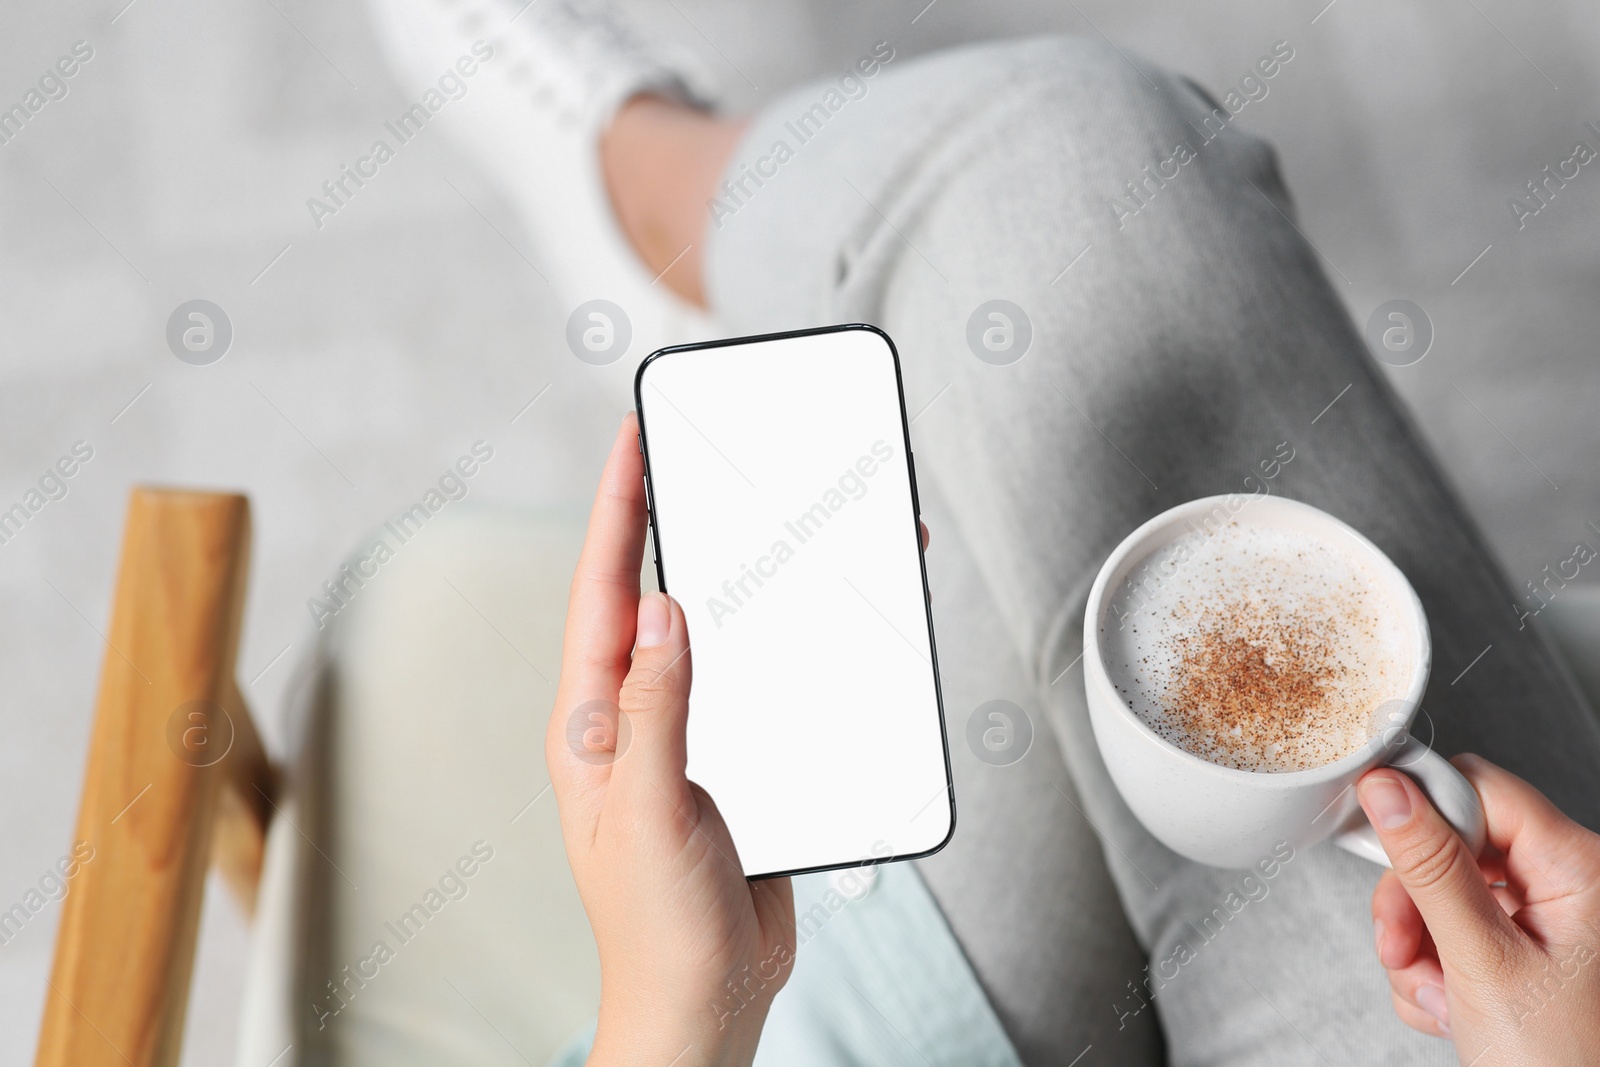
1257, 648
1259, 689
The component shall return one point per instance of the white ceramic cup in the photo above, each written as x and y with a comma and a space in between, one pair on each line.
1233, 818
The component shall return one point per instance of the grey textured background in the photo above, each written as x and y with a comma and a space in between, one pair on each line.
376, 350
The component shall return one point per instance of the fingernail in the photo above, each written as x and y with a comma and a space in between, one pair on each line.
655, 620
1430, 998
1386, 801
1377, 937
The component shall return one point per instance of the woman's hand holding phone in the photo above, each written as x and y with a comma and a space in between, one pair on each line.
691, 954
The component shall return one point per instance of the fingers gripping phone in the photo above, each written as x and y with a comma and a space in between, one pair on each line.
783, 511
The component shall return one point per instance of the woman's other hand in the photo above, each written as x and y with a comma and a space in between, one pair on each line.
1499, 954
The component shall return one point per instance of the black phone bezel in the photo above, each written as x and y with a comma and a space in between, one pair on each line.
916, 519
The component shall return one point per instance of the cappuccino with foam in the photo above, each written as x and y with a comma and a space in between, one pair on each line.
1263, 647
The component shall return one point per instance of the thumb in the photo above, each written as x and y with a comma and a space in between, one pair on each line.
655, 696
1469, 928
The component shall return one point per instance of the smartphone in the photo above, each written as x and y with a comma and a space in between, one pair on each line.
784, 518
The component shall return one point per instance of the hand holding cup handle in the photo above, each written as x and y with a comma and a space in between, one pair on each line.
1488, 922
1445, 787
1496, 950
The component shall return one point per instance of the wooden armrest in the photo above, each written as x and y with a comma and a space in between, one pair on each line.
175, 768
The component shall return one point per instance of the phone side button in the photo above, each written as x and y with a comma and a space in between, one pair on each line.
639, 438
911, 465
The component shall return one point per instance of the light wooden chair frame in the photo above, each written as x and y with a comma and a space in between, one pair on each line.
177, 780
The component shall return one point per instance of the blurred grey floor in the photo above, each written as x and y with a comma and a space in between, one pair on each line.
371, 352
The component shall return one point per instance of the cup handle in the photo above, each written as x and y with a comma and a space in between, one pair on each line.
1445, 786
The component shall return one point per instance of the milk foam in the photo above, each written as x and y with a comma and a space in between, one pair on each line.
1260, 647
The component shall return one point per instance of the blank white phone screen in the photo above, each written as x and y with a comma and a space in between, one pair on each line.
785, 526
